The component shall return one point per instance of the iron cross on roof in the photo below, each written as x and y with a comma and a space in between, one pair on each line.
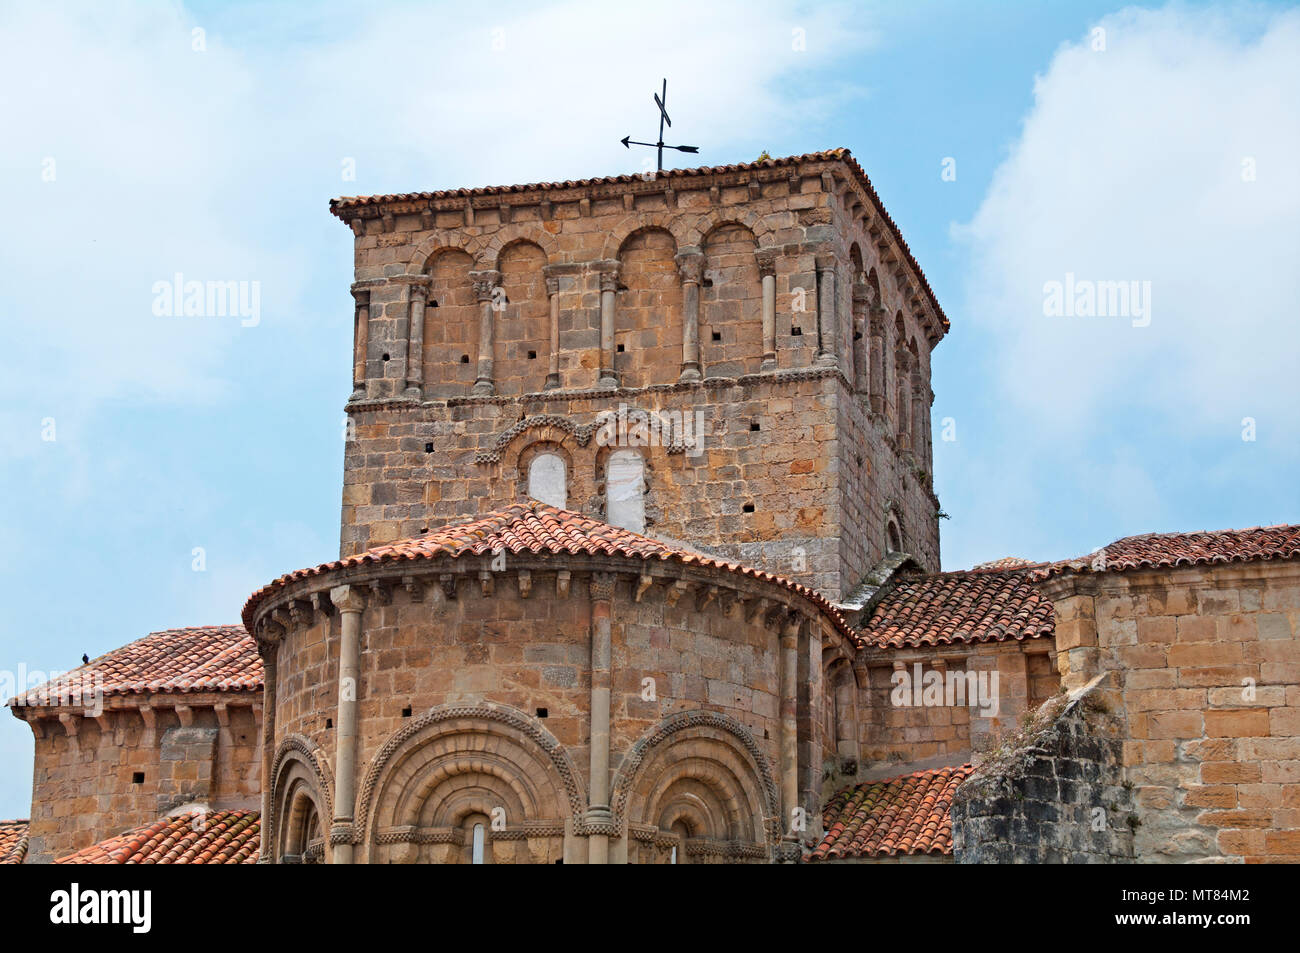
629, 142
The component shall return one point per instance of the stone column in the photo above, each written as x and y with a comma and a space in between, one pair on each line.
919, 414
860, 338
350, 603
767, 272
269, 653
415, 353
690, 264
789, 723
485, 285
361, 340
553, 299
827, 312
598, 814
877, 381
901, 398
608, 288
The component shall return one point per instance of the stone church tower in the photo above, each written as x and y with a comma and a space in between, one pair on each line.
734, 359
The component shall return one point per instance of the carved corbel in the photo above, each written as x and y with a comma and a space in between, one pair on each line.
414, 588
389, 221
379, 593
755, 606
676, 591
704, 595
643, 583
448, 583
562, 581
525, 579
486, 581
185, 714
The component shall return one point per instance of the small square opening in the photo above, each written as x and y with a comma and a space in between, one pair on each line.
620, 349
796, 331
542, 713
464, 358
137, 778
748, 508
717, 335
532, 355
406, 712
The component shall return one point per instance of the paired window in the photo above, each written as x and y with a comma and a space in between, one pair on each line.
547, 480
625, 491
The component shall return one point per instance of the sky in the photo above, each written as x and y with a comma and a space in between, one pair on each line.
156, 469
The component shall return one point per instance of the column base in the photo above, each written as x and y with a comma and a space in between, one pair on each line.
552, 382
690, 374
483, 389
769, 363
607, 382
825, 360
414, 391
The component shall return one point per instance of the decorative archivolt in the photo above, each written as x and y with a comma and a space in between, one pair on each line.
298, 761
698, 759
503, 746
555, 428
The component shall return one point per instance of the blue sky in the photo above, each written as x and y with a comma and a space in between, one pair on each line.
137, 148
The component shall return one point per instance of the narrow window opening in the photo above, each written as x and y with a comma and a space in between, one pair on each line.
385, 357
748, 508
406, 712
717, 335
796, 330
754, 425
620, 349
532, 355
541, 713
329, 722
433, 304
428, 448
137, 778
548, 481
464, 358
476, 856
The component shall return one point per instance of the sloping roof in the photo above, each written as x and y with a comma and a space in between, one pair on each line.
13, 841
909, 814
958, 607
1171, 550
218, 837
213, 658
535, 527
345, 203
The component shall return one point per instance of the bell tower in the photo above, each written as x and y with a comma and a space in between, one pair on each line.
734, 359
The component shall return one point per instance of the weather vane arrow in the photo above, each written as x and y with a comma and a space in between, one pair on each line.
662, 103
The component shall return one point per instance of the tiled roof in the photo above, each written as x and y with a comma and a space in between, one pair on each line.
903, 815
535, 527
1006, 562
213, 658
218, 837
1170, 550
344, 203
13, 841
958, 607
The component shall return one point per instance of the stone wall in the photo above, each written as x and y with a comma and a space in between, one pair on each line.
1053, 793
895, 737
1207, 664
124, 769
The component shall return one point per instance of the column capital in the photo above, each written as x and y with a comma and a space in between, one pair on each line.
690, 265
766, 260
825, 261
552, 287
485, 282
602, 586
347, 598
608, 281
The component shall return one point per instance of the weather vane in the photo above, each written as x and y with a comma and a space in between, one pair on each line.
629, 142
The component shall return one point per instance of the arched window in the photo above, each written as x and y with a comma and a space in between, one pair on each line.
625, 490
547, 481
477, 844
893, 542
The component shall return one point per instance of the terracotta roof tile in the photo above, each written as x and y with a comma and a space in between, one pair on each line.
13, 841
218, 837
1170, 550
903, 815
343, 204
535, 527
214, 658
959, 607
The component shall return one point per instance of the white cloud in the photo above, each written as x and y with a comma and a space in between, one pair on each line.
1129, 167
